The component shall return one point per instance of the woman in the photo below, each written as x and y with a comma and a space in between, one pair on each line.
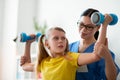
101, 70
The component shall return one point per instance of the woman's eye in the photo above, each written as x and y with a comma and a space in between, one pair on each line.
81, 25
90, 27
63, 38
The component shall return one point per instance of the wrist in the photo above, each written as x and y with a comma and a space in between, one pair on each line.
28, 43
97, 55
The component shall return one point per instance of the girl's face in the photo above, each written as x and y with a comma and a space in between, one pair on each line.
57, 42
86, 28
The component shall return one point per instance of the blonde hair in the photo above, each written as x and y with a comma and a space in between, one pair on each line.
42, 53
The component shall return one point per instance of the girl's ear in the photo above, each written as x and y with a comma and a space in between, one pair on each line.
46, 44
47, 47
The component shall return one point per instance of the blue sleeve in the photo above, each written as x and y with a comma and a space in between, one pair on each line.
73, 47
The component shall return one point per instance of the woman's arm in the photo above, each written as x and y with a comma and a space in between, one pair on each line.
110, 67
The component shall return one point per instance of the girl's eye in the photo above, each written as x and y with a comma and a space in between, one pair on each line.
55, 38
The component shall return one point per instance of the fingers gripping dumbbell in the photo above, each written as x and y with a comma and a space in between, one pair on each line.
25, 37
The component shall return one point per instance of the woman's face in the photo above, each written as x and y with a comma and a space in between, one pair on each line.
86, 28
57, 41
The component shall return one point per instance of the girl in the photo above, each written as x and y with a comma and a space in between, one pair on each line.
60, 64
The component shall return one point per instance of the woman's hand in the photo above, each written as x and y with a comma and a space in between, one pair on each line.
102, 49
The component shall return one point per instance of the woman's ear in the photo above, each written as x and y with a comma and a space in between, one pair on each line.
98, 27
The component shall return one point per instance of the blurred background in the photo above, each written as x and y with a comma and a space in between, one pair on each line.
17, 16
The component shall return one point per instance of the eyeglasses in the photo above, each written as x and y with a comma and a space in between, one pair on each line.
87, 27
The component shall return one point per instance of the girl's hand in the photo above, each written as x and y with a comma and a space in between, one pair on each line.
32, 36
108, 19
23, 59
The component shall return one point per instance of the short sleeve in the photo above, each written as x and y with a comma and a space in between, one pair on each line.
73, 58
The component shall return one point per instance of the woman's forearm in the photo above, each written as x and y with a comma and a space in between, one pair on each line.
110, 68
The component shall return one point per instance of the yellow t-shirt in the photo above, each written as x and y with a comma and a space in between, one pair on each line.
62, 68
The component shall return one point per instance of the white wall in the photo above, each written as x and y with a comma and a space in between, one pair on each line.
1, 24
